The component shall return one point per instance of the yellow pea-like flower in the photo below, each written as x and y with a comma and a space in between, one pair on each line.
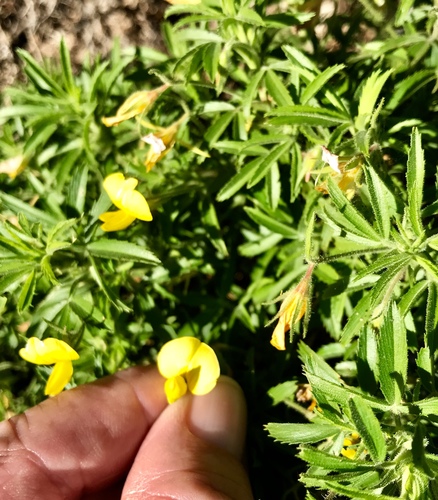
137, 103
47, 352
292, 309
188, 365
131, 204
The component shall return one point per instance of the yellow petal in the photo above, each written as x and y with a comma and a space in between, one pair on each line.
348, 453
115, 221
134, 204
175, 388
59, 378
137, 103
116, 187
175, 356
47, 352
204, 370
278, 337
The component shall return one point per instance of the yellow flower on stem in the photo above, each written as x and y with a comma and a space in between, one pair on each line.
131, 204
188, 365
292, 309
47, 352
137, 103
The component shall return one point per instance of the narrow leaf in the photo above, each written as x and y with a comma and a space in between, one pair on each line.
239, 180
415, 181
267, 162
318, 83
379, 201
277, 89
117, 249
300, 433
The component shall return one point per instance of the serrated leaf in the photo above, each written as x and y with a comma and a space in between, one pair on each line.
272, 224
27, 293
370, 93
260, 246
348, 491
368, 427
410, 86
318, 458
415, 181
379, 201
393, 356
67, 73
8, 266
300, 433
13, 278
277, 89
409, 298
249, 95
33, 214
367, 360
267, 162
78, 189
428, 406
211, 60
86, 310
119, 249
318, 83
305, 115
282, 392
431, 323
344, 205
425, 368
368, 304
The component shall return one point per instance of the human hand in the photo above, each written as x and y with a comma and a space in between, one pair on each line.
118, 438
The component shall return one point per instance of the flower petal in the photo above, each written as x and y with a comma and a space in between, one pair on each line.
278, 339
135, 205
48, 351
175, 388
116, 187
175, 356
204, 370
115, 221
59, 378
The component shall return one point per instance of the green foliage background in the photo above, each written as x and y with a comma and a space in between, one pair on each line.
265, 86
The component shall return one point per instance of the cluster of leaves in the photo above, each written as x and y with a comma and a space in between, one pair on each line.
265, 86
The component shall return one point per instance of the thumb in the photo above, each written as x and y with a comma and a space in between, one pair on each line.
194, 449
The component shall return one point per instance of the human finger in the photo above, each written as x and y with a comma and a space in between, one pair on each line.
81, 440
194, 450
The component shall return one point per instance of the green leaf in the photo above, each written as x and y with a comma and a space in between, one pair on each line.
239, 180
393, 356
367, 360
415, 181
12, 278
370, 93
318, 458
403, 11
9, 266
347, 491
213, 229
118, 249
305, 115
267, 162
39, 76
33, 214
425, 368
211, 60
431, 323
277, 89
379, 201
248, 97
344, 205
283, 392
410, 86
27, 293
409, 298
368, 427
300, 433
373, 303
86, 310
217, 128
272, 224
67, 73
260, 246
428, 406
318, 83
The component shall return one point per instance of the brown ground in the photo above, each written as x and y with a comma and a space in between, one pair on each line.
88, 26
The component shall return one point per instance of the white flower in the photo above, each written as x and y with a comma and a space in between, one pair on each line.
156, 143
331, 159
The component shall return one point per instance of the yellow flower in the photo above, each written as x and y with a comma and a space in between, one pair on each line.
131, 204
137, 103
161, 142
47, 352
13, 166
187, 364
348, 453
292, 309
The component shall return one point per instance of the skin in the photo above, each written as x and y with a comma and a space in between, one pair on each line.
118, 438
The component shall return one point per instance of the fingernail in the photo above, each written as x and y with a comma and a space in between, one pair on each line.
220, 416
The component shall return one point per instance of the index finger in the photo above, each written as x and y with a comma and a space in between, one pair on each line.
81, 440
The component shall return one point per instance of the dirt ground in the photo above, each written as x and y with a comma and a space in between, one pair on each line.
88, 26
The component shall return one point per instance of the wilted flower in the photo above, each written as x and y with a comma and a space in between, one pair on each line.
292, 309
131, 204
187, 364
51, 351
331, 159
13, 166
135, 104
161, 142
